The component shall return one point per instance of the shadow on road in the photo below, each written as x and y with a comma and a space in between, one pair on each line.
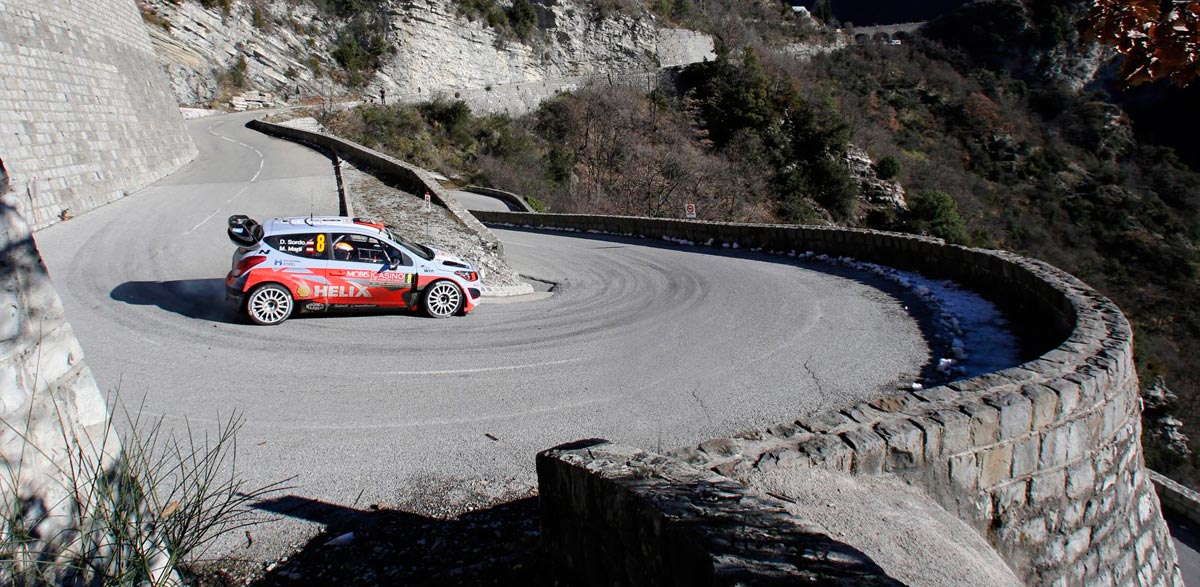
1187, 546
202, 299
382, 546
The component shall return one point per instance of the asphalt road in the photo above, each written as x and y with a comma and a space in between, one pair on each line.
473, 202
655, 346
1187, 547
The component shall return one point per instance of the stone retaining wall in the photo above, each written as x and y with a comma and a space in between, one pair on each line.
622, 516
1043, 459
86, 114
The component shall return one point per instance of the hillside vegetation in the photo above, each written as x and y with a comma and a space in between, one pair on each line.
1020, 163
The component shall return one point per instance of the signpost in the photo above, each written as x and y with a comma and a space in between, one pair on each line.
689, 210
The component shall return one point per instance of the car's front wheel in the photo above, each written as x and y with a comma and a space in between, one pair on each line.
270, 304
443, 299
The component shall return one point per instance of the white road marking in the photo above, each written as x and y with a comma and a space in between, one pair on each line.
485, 369
254, 178
293, 427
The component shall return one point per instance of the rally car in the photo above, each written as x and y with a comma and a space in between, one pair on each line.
314, 264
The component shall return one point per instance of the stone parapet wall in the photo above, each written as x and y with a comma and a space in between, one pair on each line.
1043, 459
1177, 499
617, 515
86, 114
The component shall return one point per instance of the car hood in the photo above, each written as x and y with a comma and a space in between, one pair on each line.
445, 258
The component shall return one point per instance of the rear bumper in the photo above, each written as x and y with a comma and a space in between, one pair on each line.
234, 296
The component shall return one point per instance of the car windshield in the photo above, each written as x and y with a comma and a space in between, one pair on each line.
418, 248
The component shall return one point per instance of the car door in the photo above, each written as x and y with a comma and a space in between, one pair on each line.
302, 266
366, 272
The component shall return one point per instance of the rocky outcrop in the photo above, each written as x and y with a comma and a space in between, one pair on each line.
433, 50
873, 189
59, 523
284, 45
439, 51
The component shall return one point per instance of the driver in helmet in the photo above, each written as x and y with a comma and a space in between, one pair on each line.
343, 251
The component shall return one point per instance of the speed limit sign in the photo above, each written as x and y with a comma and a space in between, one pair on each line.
689, 209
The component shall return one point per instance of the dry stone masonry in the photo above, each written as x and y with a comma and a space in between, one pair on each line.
659, 521
55, 426
86, 115
1043, 459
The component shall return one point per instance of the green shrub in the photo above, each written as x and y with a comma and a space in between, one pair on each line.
523, 19
888, 168
359, 50
934, 212
258, 17
224, 5
235, 75
140, 507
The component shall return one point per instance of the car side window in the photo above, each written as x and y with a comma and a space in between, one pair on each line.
311, 246
358, 248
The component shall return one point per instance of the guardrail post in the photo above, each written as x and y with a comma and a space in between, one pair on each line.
343, 199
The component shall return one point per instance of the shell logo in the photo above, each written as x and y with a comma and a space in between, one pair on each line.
303, 291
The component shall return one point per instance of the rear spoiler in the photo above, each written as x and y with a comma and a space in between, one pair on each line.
244, 231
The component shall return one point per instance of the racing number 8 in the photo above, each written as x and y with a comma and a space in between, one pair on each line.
320, 243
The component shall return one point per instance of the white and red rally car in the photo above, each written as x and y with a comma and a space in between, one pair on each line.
317, 264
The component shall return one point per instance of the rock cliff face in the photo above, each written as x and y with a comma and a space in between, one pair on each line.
284, 52
436, 50
432, 50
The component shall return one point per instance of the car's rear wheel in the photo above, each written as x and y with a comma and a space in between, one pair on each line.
442, 299
270, 304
